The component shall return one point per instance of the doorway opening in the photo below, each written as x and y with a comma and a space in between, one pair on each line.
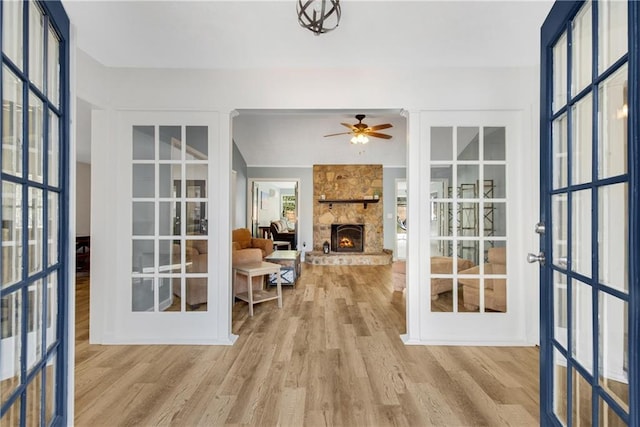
273, 210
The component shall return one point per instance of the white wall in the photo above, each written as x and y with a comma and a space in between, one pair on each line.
83, 199
222, 91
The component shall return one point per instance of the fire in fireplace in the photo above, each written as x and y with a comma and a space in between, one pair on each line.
347, 237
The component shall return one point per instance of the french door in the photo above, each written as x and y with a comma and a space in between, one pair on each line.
34, 216
590, 214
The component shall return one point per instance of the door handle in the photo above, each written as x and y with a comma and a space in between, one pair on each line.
531, 258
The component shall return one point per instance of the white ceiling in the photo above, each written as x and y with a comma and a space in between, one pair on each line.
240, 34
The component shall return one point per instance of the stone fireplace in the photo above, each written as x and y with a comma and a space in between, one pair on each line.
347, 237
348, 195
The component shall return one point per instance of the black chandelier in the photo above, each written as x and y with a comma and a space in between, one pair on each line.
319, 16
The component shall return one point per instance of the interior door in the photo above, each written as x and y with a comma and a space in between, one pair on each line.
589, 216
34, 37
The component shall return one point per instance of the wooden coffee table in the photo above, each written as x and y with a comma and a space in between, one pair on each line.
290, 262
257, 296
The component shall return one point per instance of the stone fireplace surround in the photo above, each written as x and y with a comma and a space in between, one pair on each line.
352, 186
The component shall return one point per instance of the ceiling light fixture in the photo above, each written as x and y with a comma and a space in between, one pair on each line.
359, 139
319, 16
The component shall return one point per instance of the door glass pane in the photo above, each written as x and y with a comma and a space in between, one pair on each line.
34, 324
441, 143
495, 180
582, 141
560, 387
52, 310
614, 347
581, 233
36, 45
34, 400
143, 181
11, 233
36, 237
468, 219
612, 37
581, 49
582, 398
170, 138
608, 417
197, 143
12, 31
143, 256
494, 143
11, 123
165, 296
51, 397
36, 138
143, 219
613, 134
53, 64
495, 287
54, 150
168, 224
143, 143
559, 142
560, 229
560, 308
196, 218
582, 328
169, 257
560, 73
468, 143
467, 181
495, 219
11, 329
469, 250
142, 294
440, 225
613, 242
169, 178
53, 239
196, 293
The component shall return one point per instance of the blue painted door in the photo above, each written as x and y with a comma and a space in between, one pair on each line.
35, 102
590, 259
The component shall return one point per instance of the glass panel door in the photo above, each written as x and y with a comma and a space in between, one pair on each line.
587, 335
33, 331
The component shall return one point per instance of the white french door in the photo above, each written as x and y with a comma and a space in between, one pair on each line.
162, 285
478, 204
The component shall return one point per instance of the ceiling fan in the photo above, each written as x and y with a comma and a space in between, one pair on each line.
361, 131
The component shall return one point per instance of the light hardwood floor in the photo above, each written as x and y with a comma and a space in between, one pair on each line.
331, 356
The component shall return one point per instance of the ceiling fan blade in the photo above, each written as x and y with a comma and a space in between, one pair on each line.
380, 127
341, 133
352, 127
378, 135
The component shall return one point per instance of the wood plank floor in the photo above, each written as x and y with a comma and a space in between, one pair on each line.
331, 356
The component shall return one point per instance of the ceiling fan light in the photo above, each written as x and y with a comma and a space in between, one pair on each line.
359, 139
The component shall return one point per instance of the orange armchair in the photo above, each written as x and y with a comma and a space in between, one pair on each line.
242, 239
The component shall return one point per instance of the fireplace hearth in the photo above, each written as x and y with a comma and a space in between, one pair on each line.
347, 237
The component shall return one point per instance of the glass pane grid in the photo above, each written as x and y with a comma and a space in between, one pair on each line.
31, 209
468, 211
171, 203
